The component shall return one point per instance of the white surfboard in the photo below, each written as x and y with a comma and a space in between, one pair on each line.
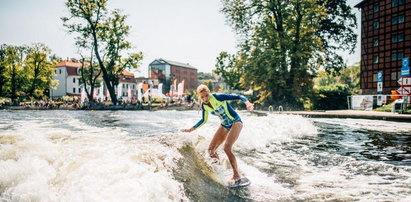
242, 182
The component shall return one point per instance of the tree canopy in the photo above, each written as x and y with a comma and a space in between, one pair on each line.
283, 44
106, 32
25, 71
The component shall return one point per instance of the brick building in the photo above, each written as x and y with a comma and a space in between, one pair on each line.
168, 72
385, 41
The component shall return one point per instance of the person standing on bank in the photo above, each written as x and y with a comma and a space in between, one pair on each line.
230, 127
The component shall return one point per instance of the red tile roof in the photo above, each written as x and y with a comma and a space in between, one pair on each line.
68, 63
127, 77
127, 74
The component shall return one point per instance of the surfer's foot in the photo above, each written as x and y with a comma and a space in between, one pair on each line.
215, 161
234, 179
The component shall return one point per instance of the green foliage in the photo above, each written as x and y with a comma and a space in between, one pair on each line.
331, 91
25, 71
209, 84
331, 97
228, 70
3, 54
283, 44
350, 77
204, 75
39, 70
106, 33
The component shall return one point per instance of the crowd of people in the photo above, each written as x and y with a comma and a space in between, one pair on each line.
75, 102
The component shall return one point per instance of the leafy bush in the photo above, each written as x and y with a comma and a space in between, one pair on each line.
331, 97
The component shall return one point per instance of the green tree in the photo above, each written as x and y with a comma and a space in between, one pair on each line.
204, 75
15, 79
282, 45
330, 91
91, 20
228, 70
348, 77
3, 49
209, 84
38, 70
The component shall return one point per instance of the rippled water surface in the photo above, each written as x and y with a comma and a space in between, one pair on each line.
142, 156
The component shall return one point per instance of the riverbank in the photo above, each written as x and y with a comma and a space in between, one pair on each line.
178, 107
356, 114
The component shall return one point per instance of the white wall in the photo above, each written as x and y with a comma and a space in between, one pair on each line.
71, 84
60, 75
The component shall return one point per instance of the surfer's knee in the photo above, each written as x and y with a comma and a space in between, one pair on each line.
227, 148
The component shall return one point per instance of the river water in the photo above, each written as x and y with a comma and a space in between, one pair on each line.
142, 156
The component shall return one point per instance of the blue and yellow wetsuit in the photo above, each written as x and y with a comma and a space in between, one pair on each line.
222, 109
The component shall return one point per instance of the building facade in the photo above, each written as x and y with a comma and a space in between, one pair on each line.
127, 85
169, 72
69, 76
385, 41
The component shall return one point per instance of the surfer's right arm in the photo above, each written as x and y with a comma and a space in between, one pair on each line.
199, 123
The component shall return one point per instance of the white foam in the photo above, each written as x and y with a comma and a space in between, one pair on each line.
374, 125
91, 164
42, 162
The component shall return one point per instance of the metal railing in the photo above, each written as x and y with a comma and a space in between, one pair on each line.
403, 100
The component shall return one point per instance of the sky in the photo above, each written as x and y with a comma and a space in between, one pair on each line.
188, 31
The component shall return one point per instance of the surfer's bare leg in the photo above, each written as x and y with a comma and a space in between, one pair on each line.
231, 138
219, 137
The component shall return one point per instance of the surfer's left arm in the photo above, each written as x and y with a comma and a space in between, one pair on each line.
199, 123
222, 97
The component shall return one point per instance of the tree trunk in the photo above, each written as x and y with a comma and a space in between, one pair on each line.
33, 84
2, 80
103, 69
13, 85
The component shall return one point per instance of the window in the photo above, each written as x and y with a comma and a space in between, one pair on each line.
126, 85
401, 19
59, 71
79, 90
55, 71
375, 77
393, 76
394, 20
394, 57
397, 20
375, 59
401, 2
376, 25
123, 85
397, 38
396, 3
400, 37
74, 90
375, 42
376, 8
400, 56
397, 56
74, 80
394, 38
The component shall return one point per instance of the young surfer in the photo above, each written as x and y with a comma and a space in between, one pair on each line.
230, 127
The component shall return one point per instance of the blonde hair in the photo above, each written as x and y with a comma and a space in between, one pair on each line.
200, 89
